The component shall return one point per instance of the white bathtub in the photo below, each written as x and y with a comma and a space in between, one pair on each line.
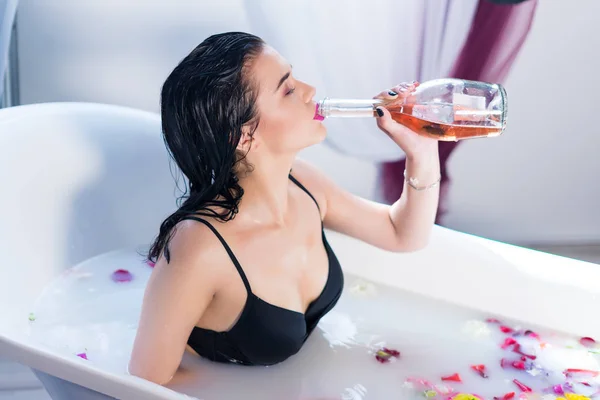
77, 180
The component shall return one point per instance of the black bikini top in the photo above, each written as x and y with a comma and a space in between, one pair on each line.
266, 334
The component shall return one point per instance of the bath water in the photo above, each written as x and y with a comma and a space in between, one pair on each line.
444, 350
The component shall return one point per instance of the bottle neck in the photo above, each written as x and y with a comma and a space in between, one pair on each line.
348, 108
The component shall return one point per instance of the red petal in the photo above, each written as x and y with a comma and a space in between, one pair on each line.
508, 342
382, 360
505, 329
517, 349
122, 275
507, 396
392, 352
518, 365
385, 354
587, 342
453, 377
522, 386
480, 369
151, 264
581, 371
82, 355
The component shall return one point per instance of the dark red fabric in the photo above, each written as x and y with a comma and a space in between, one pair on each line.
497, 34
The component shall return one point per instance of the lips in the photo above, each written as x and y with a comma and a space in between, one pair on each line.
318, 116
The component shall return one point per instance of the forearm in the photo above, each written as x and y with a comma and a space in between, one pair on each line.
413, 214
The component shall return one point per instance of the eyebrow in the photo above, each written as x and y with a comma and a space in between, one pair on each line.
283, 79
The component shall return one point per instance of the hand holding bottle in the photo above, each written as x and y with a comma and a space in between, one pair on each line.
412, 143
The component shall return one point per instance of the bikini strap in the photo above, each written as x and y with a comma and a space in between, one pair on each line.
305, 190
227, 248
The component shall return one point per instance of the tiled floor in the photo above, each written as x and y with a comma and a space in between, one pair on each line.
590, 253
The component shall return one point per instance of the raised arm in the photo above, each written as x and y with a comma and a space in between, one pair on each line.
405, 225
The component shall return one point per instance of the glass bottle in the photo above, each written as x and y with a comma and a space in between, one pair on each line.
443, 109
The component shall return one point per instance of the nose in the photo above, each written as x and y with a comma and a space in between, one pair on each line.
309, 93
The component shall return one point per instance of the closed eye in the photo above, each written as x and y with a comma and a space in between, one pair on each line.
290, 91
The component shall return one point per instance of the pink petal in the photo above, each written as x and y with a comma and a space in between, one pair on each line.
505, 329
122, 275
508, 342
82, 355
532, 334
587, 342
522, 386
492, 321
558, 389
151, 264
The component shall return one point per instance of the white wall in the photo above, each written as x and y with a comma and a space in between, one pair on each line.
534, 184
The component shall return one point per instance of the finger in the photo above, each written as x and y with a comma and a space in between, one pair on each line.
406, 88
384, 119
387, 95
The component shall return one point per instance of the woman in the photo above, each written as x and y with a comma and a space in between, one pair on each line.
243, 269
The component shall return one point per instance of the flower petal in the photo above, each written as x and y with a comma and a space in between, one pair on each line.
150, 263
480, 369
522, 386
587, 342
558, 389
121, 275
385, 354
517, 349
82, 355
454, 377
508, 342
576, 371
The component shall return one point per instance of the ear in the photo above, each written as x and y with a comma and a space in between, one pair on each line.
248, 140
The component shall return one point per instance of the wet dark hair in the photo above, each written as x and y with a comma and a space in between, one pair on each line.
205, 102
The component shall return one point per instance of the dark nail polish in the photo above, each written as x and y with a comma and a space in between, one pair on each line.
379, 112
392, 93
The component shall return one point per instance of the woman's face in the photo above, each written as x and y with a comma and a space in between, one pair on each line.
285, 106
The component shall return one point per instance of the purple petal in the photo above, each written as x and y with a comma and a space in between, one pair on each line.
82, 355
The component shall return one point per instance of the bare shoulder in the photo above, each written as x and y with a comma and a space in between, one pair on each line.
176, 296
195, 248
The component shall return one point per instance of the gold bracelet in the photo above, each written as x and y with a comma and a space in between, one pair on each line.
414, 182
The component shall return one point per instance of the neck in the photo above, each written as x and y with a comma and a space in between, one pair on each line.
265, 199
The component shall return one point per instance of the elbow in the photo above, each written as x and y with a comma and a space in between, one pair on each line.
149, 373
410, 245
